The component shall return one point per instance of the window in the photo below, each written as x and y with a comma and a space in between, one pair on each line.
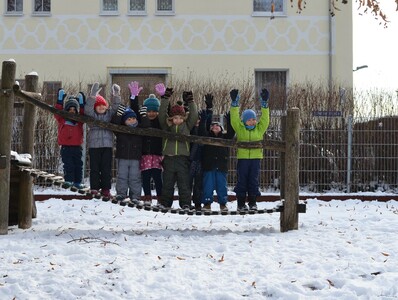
269, 7
164, 7
50, 91
276, 83
137, 7
109, 7
14, 7
42, 7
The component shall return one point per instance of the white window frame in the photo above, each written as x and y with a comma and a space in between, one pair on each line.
282, 13
41, 12
14, 12
136, 12
109, 12
165, 12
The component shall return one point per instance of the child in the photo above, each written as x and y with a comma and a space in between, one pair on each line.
176, 153
128, 155
196, 171
215, 164
70, 138
151, 161
248, 130
100, 140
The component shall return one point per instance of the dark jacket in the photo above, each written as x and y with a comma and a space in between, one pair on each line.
151, 144
129, 146
215, 157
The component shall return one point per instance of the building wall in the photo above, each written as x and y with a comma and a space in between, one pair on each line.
76, 43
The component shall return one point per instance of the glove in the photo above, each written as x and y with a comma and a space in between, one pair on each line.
115, 89
209, 101
168, 93
160, 89
142, 111
187, 97
61, 96
264, 98
95, 89
134, 89
81, 98
234, 97
121, 110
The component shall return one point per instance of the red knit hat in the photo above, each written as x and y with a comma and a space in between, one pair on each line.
177, 110
99, 100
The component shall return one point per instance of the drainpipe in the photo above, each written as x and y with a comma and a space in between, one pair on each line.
330, 49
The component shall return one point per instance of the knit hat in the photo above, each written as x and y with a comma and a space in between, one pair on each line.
248, 114
177, 110
217, 123
128, 114
71, 102
99, 100
152, 103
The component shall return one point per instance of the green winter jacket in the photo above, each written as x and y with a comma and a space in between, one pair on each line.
245, 135
172, 146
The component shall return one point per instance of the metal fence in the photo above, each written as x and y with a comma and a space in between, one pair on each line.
336, 154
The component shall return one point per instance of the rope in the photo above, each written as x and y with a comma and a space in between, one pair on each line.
59, 181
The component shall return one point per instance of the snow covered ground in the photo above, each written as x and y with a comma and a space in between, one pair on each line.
82, 249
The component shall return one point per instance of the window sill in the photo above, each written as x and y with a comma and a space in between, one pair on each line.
109, 13
41, 14
165, 13
269, 15
13, 14
137, 13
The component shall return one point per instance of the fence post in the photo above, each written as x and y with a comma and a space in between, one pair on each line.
6, 117
349, 152
289, 215
25, 205
282, 160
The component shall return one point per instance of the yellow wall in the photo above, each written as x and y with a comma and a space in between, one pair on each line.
208, 37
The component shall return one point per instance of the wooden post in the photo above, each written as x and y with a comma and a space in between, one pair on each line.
289, 215
282, 160
6, 118
25, 205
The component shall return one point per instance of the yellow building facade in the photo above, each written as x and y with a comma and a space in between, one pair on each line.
117, 40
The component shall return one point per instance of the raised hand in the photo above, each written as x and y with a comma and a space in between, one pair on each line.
135, 89
264, 98
209, 101
95, 89
234, 94
160, 89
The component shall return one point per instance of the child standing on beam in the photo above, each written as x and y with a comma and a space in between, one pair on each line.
247, 129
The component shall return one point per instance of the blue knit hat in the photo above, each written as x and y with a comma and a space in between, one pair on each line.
152, 103
248, 114
72, 102
128, 114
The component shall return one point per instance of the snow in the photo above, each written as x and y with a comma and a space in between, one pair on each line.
89, 249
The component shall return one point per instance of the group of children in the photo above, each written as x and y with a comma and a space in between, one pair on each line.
168, 161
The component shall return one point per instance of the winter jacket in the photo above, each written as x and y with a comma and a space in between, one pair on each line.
152, 145
99, 137
214, 157
70, 133
245, 135
170, 145
129, 146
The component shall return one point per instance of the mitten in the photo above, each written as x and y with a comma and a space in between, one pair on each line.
134, 89
160, 89
61, 96
168, 93
264, 98
209, 101
187, 97
142, 111
81, 98
95, 89
115, 89
121, 110
234, 94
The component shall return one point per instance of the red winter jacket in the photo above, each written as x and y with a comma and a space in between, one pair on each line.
69, 134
